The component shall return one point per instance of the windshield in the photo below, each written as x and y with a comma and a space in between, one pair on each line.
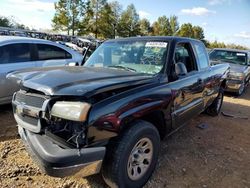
136, 56
229, 56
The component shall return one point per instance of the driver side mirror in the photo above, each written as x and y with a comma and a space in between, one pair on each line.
180, 69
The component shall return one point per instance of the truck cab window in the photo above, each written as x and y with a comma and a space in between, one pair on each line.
201, 55
183, 54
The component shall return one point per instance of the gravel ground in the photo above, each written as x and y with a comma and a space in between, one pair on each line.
217, 156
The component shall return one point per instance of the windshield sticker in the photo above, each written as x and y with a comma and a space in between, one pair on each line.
241, 54
157, 44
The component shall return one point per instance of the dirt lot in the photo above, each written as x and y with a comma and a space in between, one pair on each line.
217, 156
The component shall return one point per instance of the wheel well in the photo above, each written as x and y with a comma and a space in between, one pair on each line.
157, 119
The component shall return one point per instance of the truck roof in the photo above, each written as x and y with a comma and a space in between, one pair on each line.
232, 50
169, 38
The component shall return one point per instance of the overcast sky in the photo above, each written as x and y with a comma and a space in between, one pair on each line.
223, 20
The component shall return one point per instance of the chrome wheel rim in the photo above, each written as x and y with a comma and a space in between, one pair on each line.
140, 159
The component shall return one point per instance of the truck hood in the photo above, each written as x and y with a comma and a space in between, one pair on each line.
233, 67
237, 68
77, 81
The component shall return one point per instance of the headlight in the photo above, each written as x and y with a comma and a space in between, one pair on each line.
236, 75
75, 111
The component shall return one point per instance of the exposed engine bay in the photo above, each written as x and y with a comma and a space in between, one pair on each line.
67, 133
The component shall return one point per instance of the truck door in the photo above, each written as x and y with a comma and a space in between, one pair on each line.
207, 75
187, 89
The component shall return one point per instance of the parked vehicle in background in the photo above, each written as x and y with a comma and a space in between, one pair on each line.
86, 51
21, 53
18, 33
239, 61
208, 50
80, 41
4, 32
111, 113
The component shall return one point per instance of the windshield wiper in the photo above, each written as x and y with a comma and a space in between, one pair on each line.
121, 67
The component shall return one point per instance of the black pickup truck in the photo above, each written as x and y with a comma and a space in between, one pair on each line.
110, 114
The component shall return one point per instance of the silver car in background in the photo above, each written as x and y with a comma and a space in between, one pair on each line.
239, 61
18, 53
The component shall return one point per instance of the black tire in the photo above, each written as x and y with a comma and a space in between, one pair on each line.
215, 107
116, 164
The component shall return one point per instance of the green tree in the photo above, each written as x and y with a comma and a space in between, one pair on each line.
116, 8
92, 20
68, 14
107, 22
213, 44
145, 28
162, 26
101, 19
5, 22
198, 33
186, 30
129, 23
235, 46
174, 24
11, 22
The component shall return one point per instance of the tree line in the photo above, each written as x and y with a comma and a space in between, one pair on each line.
216, 44
105, 20
11, 22
108, 20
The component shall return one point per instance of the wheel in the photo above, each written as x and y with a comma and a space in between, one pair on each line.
241, 89
215, 107
132, 157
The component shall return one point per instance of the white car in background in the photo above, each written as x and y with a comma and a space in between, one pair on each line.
18, 53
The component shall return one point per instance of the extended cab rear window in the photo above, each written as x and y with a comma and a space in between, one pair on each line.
202, 56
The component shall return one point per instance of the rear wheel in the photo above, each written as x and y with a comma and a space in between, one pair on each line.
215, 107
131, 158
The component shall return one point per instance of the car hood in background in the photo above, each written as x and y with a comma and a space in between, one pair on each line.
77, 81
233, 67
237, 68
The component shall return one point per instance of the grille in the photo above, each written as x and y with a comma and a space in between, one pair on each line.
31, 120
30, 100
26, 107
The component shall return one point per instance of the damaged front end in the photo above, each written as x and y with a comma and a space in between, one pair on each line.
55, 134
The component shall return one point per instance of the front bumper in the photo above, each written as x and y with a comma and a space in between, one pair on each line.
233, 85
58, 162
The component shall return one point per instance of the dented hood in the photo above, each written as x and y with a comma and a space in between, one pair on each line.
77, 81
237, 68
233, 67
